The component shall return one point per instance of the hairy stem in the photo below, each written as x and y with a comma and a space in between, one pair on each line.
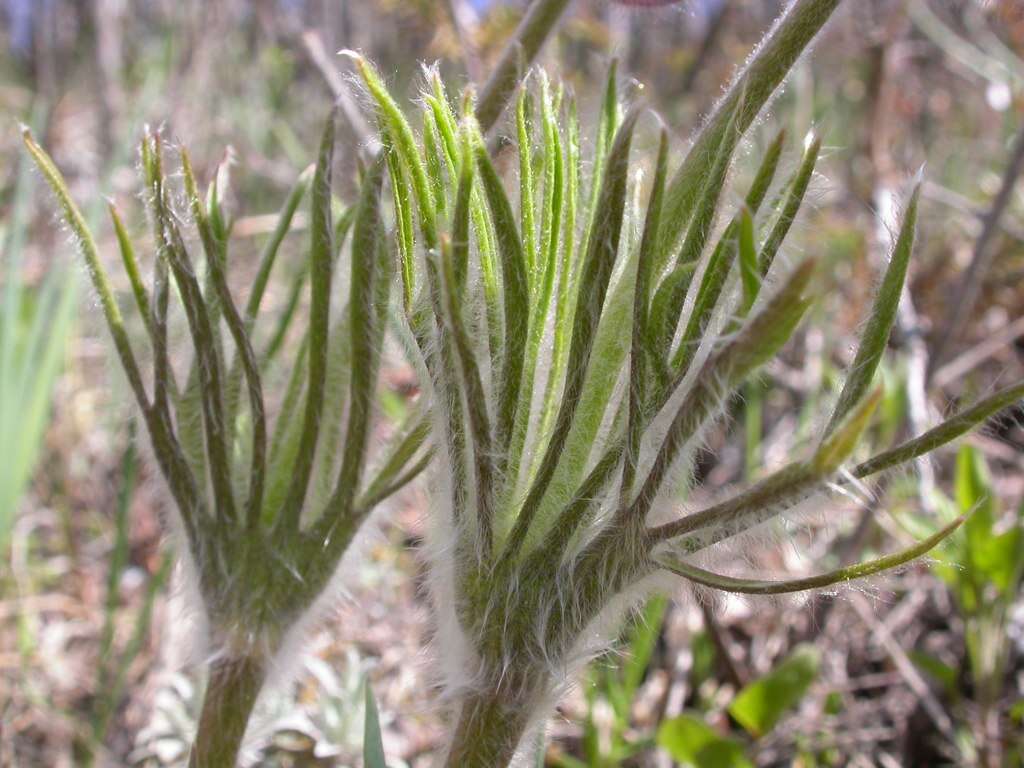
488, 731
231, 694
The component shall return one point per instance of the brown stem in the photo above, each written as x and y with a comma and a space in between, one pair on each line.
231, 694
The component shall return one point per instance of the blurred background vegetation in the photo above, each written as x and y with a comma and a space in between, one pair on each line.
920, 668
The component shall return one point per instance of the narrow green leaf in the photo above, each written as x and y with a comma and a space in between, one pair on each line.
321, 252
946, 432
366, 328
131, 268
395, 125
404, 227
460, 218
268, 256
639, 367
750, 277
168, 451
476, 406
373, 745
434, 154
839, 444
287, 434
765, 70
527, 185
677, 565
87, 245
775, 493
795, 191
408, 440
243, 346
756, 343
208, 377
722, 257
516, 289
607, 126
875, 336
567, 272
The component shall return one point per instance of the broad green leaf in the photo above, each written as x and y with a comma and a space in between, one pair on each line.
990, 556
762, 703
692, 743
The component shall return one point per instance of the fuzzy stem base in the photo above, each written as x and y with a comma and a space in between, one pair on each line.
231, 694
488, 732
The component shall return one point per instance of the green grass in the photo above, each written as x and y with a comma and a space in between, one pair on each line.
35, 323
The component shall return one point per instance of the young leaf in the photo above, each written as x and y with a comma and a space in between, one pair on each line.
600, 259
762, 703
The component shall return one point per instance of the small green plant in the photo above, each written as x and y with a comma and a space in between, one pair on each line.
611, 687
264, 515
984, 568
575, 355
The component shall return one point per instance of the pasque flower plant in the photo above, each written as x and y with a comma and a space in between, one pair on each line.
576, 353
263, 516
573, 350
